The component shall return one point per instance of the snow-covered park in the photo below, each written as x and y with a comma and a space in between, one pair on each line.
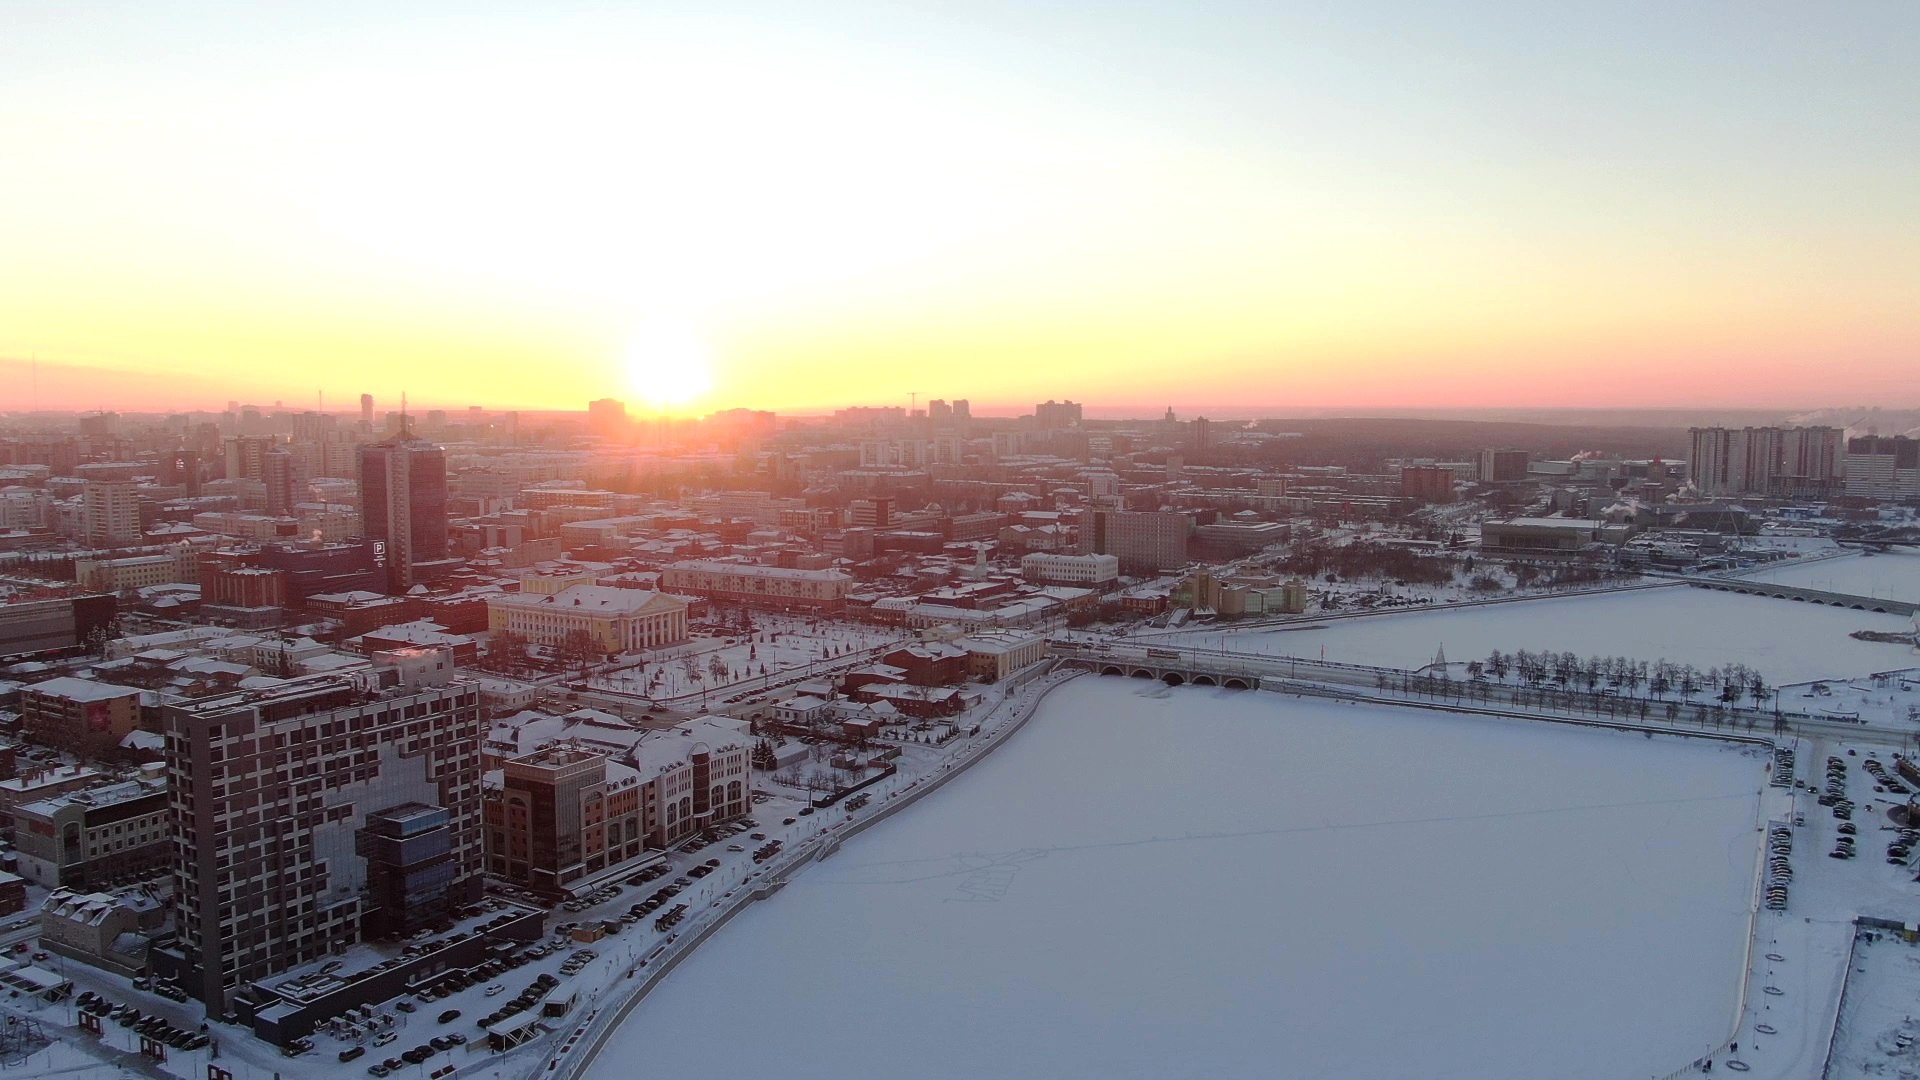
1192, 882
1783, 640
1887, 575
777, 644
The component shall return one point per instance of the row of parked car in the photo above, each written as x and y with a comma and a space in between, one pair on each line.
439, 1045
1884, 780
1782, 766
153, 1027
166, 988
718, 833
597, 896
1779, 867
580, 959
541, 985
657, 870
1902, 845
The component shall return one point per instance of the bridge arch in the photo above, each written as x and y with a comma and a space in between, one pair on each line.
1173, 678
1111, 670
1204, 680
1237, 684
1142, 673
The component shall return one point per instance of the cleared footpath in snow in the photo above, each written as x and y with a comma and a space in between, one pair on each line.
1194, 882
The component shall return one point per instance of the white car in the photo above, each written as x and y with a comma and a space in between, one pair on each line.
496, 988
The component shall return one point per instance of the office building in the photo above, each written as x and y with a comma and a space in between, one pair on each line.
1086, 571
366, 413
759, 586
40, 626
95, 837
403, 505
271, 791
1499, 466
412, 867
560, 814
693, 775
181, 469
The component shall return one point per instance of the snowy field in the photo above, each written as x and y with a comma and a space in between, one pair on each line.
1196, 883
778, 644
1890, 575
1879, 1029
1783, 640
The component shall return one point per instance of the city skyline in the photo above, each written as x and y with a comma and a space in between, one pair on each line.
1385, 209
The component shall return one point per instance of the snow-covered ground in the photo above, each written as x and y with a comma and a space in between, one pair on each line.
1879, 1031
778, 643
1160, 883
1888, 575
1783, 640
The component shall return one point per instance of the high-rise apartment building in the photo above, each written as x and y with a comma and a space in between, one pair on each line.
110, 513
607, 417
280, 472
1427, 483
295, 811
403, 504
1051, 414
1781, 462
247, 456
1202, 440
366, 412
1884, 467
962, 410
1143, 541
181, 468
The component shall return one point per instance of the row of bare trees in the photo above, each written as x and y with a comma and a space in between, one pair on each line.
1727, 684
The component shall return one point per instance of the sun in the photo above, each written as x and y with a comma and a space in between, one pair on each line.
668, 365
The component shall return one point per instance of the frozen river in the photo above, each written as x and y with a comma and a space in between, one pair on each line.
1162, 883
1783, 640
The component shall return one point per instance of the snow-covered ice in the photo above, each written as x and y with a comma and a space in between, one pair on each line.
1168, 883
1783, 640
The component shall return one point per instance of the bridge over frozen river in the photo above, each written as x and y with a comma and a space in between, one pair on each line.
1811, 596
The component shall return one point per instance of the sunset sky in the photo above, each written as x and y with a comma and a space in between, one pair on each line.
802, 206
